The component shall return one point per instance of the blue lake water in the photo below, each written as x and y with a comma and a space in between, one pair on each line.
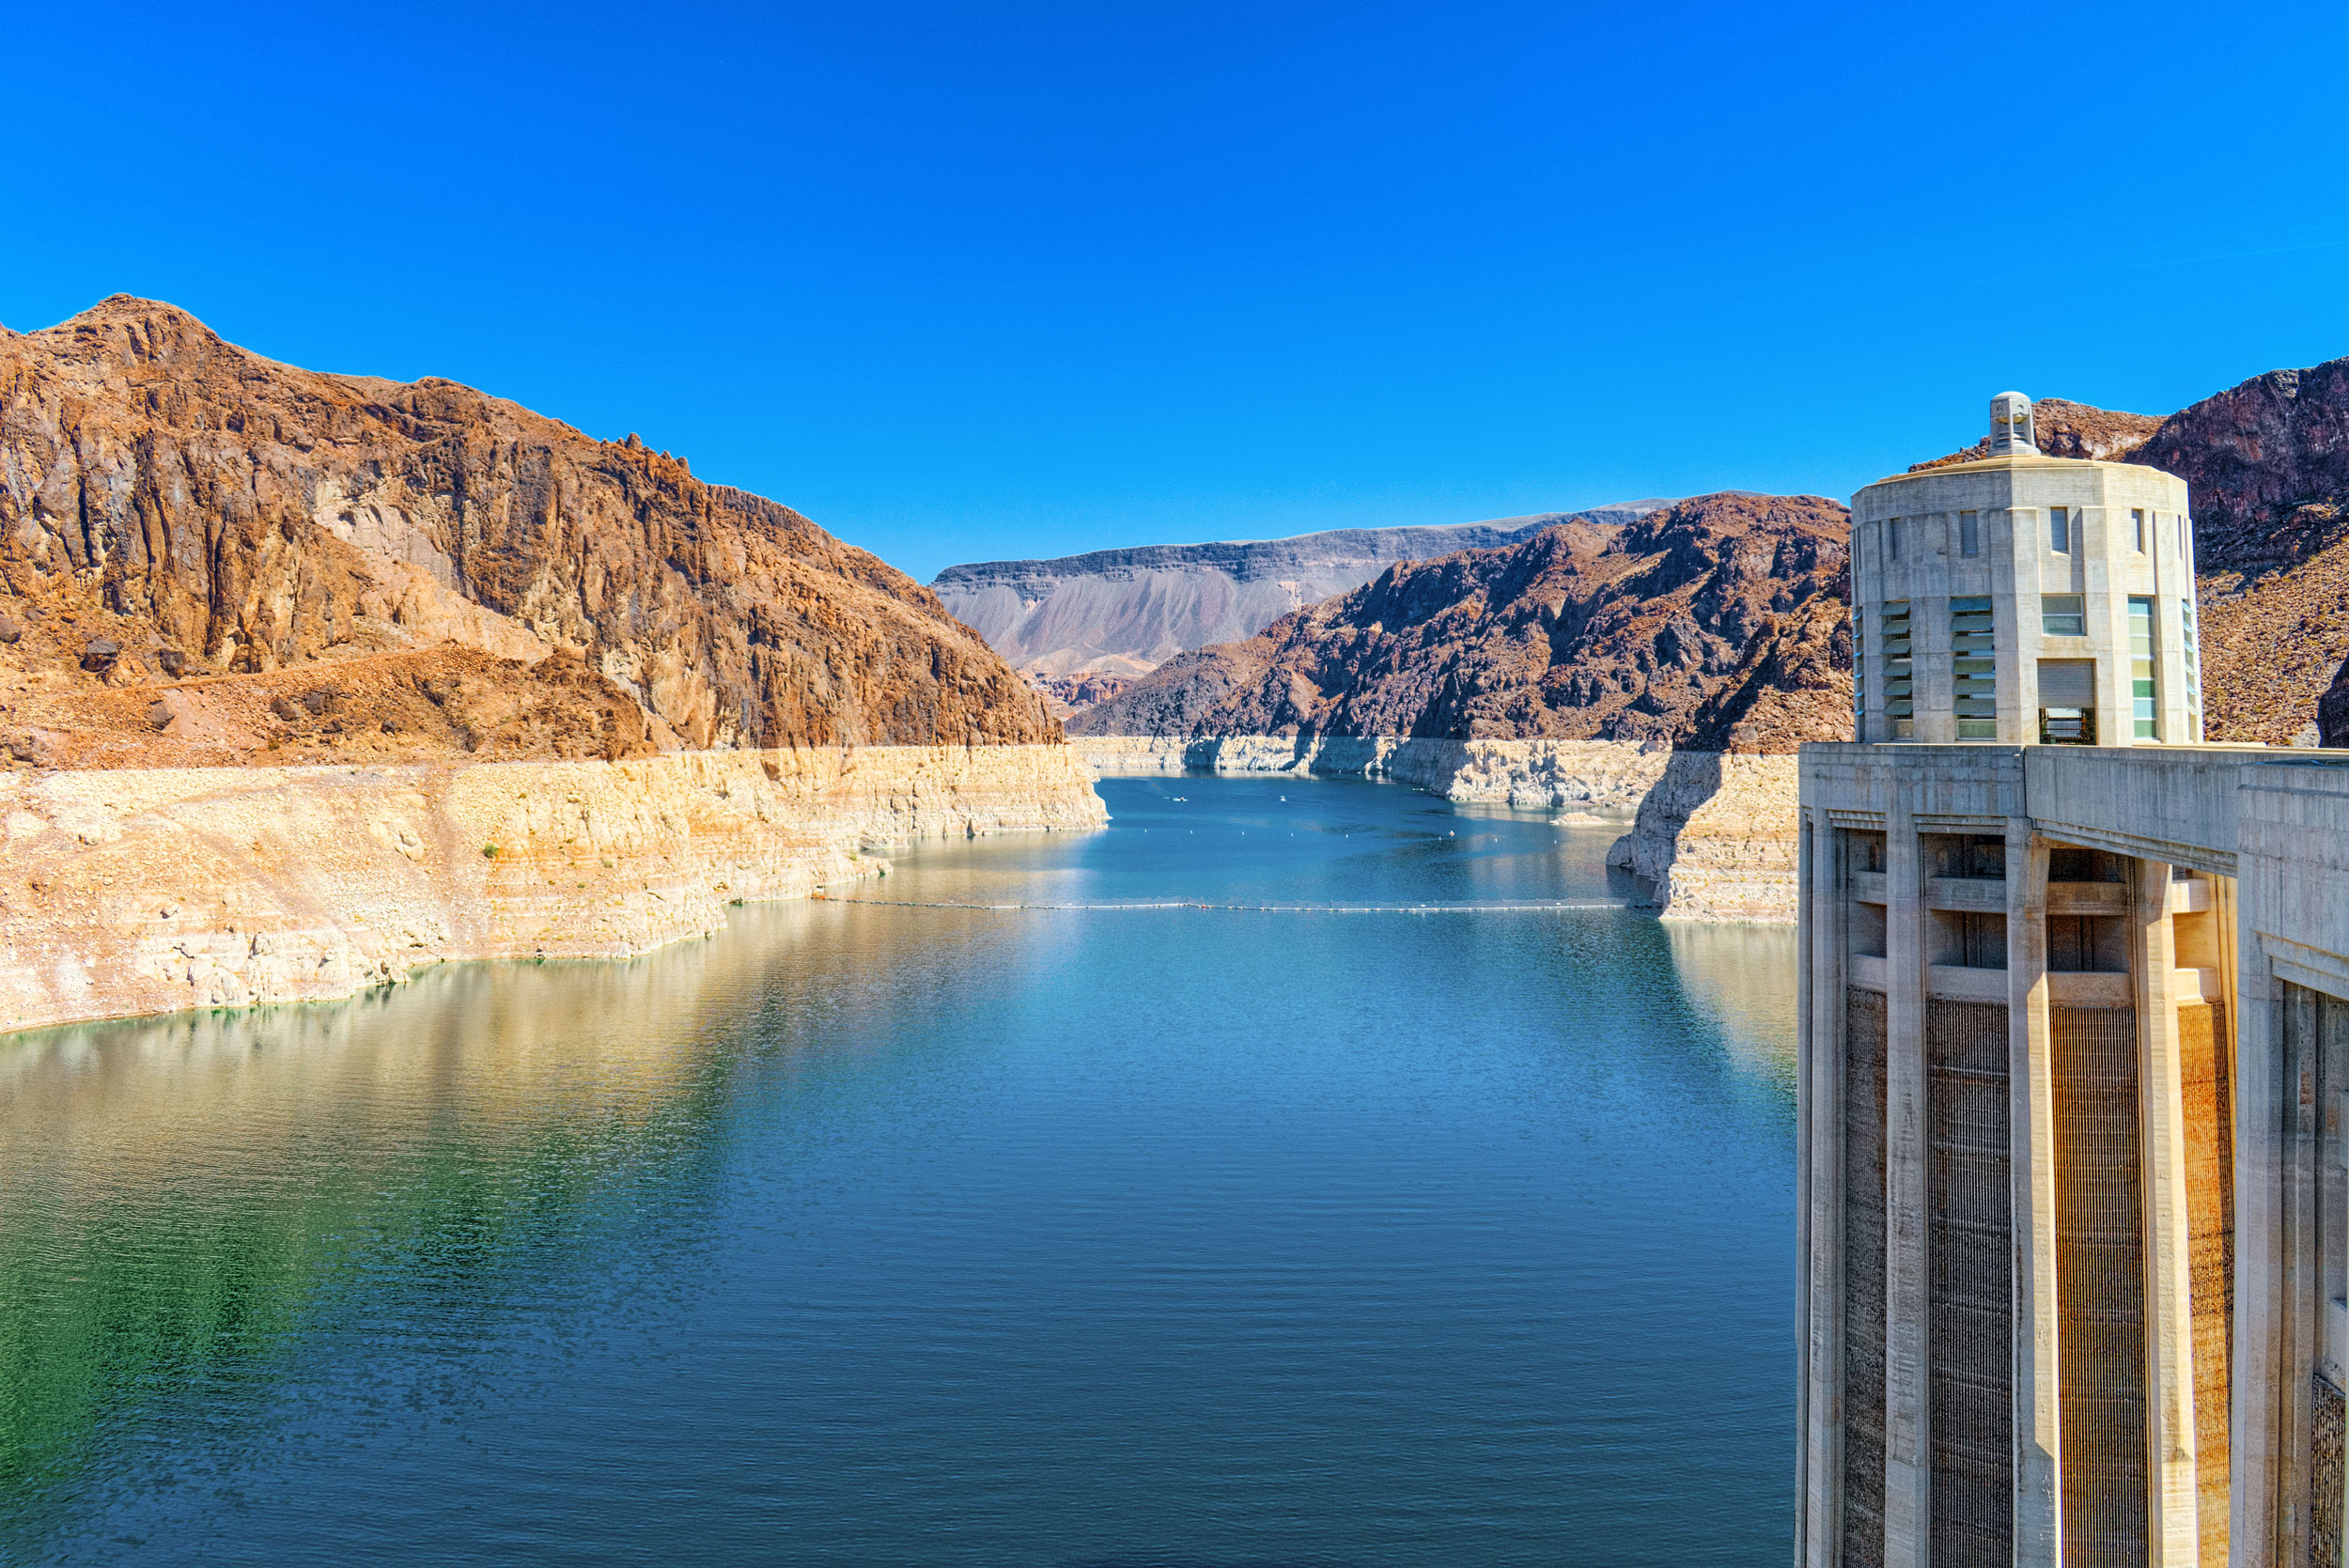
881, 1232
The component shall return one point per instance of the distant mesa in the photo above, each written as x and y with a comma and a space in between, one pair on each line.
1125, 612
1718, 623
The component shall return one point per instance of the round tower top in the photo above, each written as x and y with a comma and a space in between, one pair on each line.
2012, 433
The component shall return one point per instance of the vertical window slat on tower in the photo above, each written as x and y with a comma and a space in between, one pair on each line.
1859, 675
2142, 691
1899, 703
2190, 642
1974, 667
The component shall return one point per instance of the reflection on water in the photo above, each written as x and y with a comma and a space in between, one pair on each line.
872, 1234
185, 1195
1741, 980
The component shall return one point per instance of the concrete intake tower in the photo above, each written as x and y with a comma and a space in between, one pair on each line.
2073, 1056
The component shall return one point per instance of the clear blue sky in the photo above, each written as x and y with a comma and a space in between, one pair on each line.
969, 281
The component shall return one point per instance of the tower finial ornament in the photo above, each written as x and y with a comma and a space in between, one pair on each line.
2012, 433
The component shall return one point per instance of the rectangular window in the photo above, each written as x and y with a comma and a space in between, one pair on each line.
1899, 699
2087, 944
2060, 530
2063, 616
1969, 533
2136, 520
1968, 939
1982, 942
1892, 532
2067, 701
2182, 542
2141, 675
1974, 666
2069, 862
1970, 856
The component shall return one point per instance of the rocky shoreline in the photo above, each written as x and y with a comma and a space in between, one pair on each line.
1713, 834
139, 891
1717, 838
1600, 779
144, 890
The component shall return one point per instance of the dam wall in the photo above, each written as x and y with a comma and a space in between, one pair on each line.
1713, 834
133, 891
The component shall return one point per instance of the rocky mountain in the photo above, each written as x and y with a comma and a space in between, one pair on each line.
205, 555
2267, 463
1449, 646
1124, 612
1718, 623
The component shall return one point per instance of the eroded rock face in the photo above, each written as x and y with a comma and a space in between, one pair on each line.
1719, 622
215, 515
1717, 838
2267, 462
1584, 779
2268, 465
1123, 612
151, 890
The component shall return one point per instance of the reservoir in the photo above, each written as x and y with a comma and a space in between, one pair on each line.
1299, 1172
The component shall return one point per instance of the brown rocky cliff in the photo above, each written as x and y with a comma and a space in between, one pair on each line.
1718, 621
2267, 465
175, 509
2267, 462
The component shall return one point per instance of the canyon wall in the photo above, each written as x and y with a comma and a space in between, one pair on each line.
1714, 835
176, 508
1718, 623
1717, 838
127, 891
1123, 612
1595, 777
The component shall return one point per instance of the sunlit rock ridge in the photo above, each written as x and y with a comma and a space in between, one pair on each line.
1125, 612
307, 681
175, 509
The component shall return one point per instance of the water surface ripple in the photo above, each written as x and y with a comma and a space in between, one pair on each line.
910, 1228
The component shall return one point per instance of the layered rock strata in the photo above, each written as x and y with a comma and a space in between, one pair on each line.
153, 890
1718, 623
1123, 611
1717, 838
174, 508
1595, 778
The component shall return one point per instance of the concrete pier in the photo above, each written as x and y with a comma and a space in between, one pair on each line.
2074, 1058
2164, 1307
